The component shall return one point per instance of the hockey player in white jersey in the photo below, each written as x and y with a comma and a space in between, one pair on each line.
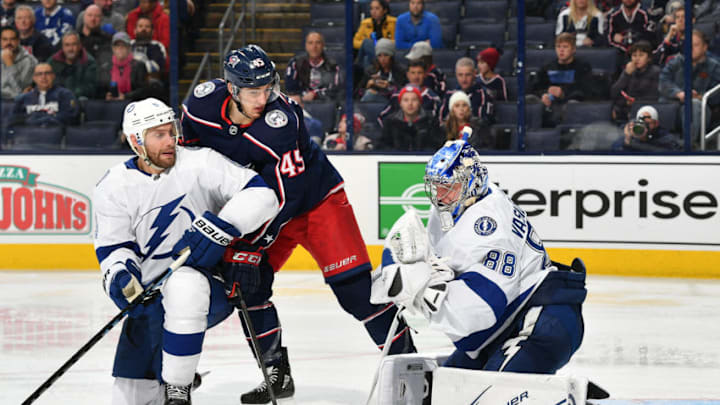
148, 208
481, 273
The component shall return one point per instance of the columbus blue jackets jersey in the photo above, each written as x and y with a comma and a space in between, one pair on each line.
276, 145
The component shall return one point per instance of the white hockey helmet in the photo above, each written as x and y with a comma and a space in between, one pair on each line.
142, 115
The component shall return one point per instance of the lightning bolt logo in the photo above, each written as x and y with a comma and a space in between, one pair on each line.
163, 220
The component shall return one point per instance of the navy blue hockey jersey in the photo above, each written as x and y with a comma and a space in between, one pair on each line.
276, 145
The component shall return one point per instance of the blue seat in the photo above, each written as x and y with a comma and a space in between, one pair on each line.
334, 36
101, 110
536, 35
602, 60
399, 7
506, 63
511, 83
323, 111
668, 113
586, 113
506, 114
446, 11
482, 35
449, 34
323, 14
542, 140
537, 58
91, 136
28, 137
497, 10
445, 59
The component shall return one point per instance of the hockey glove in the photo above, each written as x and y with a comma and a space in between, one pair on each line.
241, 268
207, 238
125, 287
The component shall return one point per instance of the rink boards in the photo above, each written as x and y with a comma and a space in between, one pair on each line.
624, 215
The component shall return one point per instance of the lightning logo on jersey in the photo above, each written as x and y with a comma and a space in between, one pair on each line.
161, 224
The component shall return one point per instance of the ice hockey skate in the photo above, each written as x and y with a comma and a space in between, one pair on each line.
280, 380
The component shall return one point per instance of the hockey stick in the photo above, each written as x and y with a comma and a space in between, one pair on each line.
255, 343
105, 329
385, 350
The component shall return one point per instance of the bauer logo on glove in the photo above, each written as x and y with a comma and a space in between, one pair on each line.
221, 238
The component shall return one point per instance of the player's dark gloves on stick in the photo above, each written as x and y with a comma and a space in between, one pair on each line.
240, 268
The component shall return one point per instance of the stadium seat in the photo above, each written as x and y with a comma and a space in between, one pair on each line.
334, 36
445, 59
536, 35
91, 136
371, 111
6, 114
587, 112
482, 35
447, 11
537, 58
511, 83
542, 140
506, 63
497, 10
506, 114
28, 137
668, 114
602, 60
323, 111
337, 54
101, 110
324, 14
449, 35
709, 28
398, 7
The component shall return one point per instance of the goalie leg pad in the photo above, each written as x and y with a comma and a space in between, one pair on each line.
353, 294
406, 379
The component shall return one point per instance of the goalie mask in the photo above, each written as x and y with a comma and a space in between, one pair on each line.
139, 117
250, 67
454, 179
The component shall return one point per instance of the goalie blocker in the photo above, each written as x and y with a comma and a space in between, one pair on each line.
412, 379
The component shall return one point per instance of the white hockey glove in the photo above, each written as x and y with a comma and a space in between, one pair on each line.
407, 240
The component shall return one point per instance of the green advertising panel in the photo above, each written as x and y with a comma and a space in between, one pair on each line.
401, 187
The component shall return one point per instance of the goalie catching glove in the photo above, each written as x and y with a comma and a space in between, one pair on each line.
207, 238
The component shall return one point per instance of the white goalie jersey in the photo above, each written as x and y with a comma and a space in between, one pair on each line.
499, 261
140, 217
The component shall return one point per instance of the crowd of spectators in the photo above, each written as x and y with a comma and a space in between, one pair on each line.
615, 56
58, 57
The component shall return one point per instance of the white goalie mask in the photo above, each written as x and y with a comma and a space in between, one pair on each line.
140, 116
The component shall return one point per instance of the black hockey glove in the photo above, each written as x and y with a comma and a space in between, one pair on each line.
240, 268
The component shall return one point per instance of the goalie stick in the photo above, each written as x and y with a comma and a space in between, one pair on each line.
150, 292
385, 350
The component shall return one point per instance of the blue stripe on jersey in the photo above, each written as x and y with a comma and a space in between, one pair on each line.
132, 165
104, 251
182, 344
477, 339
256, 181
487, 290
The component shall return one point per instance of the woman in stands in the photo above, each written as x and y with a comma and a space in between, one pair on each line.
584, 20
384, 77
460, 117
380, 24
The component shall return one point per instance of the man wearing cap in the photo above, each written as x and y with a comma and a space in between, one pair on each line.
646, 135
429, 100
95, 41
410, 129
417, 25
313, 75
491, 82
74, 67
123, 78
434, 78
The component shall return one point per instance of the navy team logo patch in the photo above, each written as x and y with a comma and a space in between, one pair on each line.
276, 119
485, 226
203, 89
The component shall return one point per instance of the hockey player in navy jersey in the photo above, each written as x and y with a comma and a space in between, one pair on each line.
480, 273
149, 207
246, 118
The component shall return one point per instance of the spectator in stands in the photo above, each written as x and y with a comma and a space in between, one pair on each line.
672, 43
628, 24
95, 41
33, 41
380, 24
17, 64
663, 25
384, 76
434, 78
480, 103
418, 25
53, 21
583, 19
338, 140
47, 104
314, 126
75, 68
7, 13
110, 21
705, 76
565, 79
638, 81
415, 75
160, 21
313, 74
410, 128
460, 117
491, 82
147, 48
124, 78
644, 134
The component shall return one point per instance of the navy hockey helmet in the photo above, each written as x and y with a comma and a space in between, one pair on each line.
249, 67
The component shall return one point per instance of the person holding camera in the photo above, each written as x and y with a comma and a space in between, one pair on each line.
644, 134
